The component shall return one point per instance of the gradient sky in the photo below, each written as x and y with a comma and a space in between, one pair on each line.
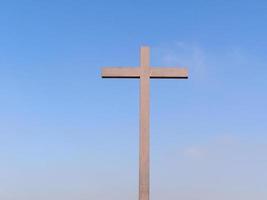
65, 133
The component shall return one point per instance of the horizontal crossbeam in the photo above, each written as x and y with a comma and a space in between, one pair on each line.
120, 72
135, 72
166, 72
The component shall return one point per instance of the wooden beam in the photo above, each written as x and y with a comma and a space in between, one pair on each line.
145, 57
120, 72
144, 126
162, 72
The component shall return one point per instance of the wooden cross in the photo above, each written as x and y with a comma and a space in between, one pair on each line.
144, 72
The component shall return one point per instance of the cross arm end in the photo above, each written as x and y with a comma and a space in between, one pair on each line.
166, 72
120, 72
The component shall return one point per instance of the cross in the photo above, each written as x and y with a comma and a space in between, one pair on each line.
144, 72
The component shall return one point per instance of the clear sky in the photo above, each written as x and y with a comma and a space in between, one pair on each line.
65, 133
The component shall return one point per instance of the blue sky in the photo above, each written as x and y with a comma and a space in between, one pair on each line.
65, 133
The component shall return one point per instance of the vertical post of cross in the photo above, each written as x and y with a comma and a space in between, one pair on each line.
144, 125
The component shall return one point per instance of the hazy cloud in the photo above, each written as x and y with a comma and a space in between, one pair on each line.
184, 55
194, 152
